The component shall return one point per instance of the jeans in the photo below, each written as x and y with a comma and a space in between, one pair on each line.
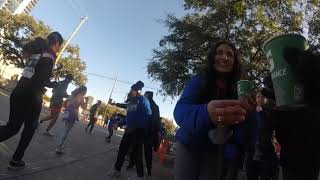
68, 127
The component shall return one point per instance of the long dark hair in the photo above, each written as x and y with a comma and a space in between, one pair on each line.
211, 75
79, 90
54, 38
35, 46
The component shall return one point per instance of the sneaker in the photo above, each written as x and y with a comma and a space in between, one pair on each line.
47, 133
136, 178
59, 150
114, 173
16, 165
108, 140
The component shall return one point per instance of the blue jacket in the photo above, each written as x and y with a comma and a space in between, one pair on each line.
138, 112
192, 117
112, 122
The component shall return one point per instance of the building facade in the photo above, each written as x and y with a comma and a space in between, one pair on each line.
18, 6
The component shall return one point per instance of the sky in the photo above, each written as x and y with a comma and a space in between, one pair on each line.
116, 40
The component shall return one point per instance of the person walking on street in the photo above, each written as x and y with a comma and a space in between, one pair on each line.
92, 116
112, 124
71, 113
138, 113
26, 98
105, 123
58, 93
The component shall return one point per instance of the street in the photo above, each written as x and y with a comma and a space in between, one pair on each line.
87, 156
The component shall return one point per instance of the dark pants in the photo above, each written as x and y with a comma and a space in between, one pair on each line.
231, 168
148, 144
110, 133
262, 170
91, 123
24, 109
135, 140
155, 141
148, 147
298, 134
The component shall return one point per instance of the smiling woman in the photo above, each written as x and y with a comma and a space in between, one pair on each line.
209, 102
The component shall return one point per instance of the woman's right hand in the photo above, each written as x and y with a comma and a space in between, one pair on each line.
226, 112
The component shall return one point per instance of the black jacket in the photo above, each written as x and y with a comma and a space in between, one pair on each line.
36, 75
155, 123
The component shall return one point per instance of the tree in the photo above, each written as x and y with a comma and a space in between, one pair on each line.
110, 111
247, 23
16, 30
168, 125
71, 63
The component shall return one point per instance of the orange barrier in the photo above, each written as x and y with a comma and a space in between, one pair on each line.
163, 150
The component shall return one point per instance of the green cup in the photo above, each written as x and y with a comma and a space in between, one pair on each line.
245, 88
289, 92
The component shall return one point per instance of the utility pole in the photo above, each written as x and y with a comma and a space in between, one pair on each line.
114, 84
83, 19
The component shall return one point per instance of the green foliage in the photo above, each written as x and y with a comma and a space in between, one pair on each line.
168, 125
247, 23
15, 30
71, 63
110, 110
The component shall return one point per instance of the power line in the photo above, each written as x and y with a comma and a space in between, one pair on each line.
83, 10
74, 8
122, 81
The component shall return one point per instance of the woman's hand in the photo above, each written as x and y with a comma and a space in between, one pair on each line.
249, 103
226, 112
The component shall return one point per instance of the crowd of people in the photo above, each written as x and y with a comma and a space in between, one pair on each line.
220, 135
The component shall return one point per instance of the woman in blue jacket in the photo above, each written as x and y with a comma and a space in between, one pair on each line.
209, 100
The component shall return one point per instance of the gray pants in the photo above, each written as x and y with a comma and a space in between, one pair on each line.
68, 127
195, 165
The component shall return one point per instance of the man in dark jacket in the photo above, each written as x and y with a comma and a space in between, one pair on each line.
297, 130
92, 115
58, 93
26, 98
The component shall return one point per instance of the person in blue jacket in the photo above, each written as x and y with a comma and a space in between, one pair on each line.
209, 100
111, 126
138, 112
